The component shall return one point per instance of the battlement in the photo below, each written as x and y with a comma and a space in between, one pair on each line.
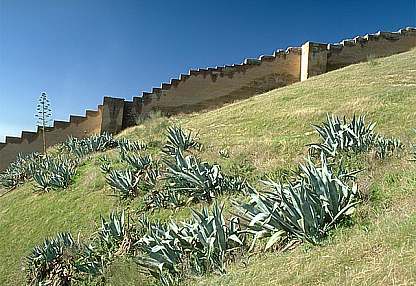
207, 88
318, 58
30, 141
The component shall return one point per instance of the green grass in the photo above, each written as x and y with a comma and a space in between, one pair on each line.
27, 218
380, 249
264, 135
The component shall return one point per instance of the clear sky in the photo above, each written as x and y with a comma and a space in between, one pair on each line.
80, 50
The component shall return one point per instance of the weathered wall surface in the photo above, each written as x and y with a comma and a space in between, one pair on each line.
318, 58
78, 126
359, 49
207, 88
211, 87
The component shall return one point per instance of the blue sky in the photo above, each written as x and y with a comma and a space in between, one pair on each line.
80, 50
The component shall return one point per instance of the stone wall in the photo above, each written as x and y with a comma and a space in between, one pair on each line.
28, 142
318, 58
208, 88
211, 87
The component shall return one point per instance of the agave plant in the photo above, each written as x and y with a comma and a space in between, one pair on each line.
42, 179
125, 182
385, 147
340, 134
52, 262
210, 239
179, 139
18, 171
164, 199
105, 166
198, 180
62, 174
356, 136
10, 179
114, 233
126, 145
304, 209
63, 261
83, 147
202, 245
53, 172
139, 163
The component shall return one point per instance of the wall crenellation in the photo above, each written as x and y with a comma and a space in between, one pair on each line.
206, 88
319, 58
214, 72
30, 141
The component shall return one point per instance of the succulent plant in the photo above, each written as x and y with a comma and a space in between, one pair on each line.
198, 180
177, 138
19, 170
124, 182
203, 245
53, 172
52, 262
126, 145
342, 135
83, 147
139, 163
304, 209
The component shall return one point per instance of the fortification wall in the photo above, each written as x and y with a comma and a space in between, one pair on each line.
207, 88
78, 126
211, 87
359, 49
318, 58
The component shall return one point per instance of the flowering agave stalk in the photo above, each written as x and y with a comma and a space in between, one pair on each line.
305, 209
43, 115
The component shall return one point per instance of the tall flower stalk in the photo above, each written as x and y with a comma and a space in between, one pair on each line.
43, 115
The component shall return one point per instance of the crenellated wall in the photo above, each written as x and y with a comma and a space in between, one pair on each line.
207, 88
318, 58
28, 142
211, 87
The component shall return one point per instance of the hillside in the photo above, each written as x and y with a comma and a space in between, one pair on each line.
263, 135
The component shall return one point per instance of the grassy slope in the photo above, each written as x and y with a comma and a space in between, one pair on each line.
26, 218
263, 135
